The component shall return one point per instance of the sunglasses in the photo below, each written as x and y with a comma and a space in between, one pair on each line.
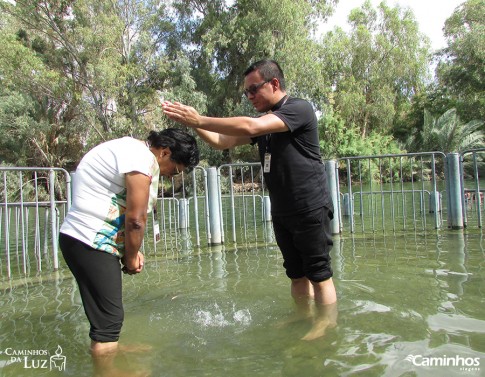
253, 89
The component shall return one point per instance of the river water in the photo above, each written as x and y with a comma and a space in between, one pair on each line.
409, 305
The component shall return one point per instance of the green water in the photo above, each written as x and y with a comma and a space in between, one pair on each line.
227, 311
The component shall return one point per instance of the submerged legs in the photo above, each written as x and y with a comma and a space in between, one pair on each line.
322, 298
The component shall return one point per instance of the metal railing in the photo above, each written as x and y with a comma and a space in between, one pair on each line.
402, 178
405, 192
472, 196
183, 207
242, 202
33, 197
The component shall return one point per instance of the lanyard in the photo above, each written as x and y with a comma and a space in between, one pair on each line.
268, 136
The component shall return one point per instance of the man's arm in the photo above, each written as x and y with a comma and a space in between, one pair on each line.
224, 133
220, 141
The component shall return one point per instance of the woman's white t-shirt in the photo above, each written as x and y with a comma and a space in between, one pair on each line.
97, 214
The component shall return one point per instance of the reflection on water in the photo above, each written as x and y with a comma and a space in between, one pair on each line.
409, 305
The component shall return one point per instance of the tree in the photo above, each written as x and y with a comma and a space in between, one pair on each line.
447, 133
33, 105
86, 70
377, 68
76, 72
223, 38
461, 68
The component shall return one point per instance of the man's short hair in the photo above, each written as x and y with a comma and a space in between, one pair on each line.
268, 69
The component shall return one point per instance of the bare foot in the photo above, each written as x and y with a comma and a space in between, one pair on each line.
293, 318
325, 317
318, 329
105, 365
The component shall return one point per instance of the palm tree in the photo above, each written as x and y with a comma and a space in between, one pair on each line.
448, 134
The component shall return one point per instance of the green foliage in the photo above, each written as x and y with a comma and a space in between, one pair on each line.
460, 76
338, 140
76, 73
88, 70
230, 37
376, 68
461, 66
15, 124
447, 133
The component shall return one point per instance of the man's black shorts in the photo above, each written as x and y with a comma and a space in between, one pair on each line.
305, 241
98, 275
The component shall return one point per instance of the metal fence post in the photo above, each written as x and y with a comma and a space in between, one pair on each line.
454, 190
214, 207
347, 210
53, 210
434, 202
183, 214
332, 181
267, 208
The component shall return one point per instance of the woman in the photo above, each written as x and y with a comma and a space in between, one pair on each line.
116, 184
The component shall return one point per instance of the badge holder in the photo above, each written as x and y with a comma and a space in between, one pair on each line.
156, 225
267, 163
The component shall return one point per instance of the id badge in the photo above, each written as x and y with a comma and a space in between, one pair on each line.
156, 226
267, 163
156, 231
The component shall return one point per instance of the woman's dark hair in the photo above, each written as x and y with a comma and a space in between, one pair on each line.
268, 69
182, 145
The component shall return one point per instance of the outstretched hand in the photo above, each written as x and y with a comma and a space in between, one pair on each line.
181, 113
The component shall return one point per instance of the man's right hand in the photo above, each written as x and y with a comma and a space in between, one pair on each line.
181, 113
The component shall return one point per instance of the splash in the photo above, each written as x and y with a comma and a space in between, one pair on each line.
215, 317
243, 317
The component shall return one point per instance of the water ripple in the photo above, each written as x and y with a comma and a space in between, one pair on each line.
456, 322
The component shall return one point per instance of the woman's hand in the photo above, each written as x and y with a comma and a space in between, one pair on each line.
133, 266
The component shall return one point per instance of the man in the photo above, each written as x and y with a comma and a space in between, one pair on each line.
287, 139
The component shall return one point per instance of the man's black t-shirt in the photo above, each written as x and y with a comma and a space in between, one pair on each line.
297, 179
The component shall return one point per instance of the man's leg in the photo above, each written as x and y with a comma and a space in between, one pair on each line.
302, 293
301, 289
103, 348
304, 290
325, 308
324, 292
